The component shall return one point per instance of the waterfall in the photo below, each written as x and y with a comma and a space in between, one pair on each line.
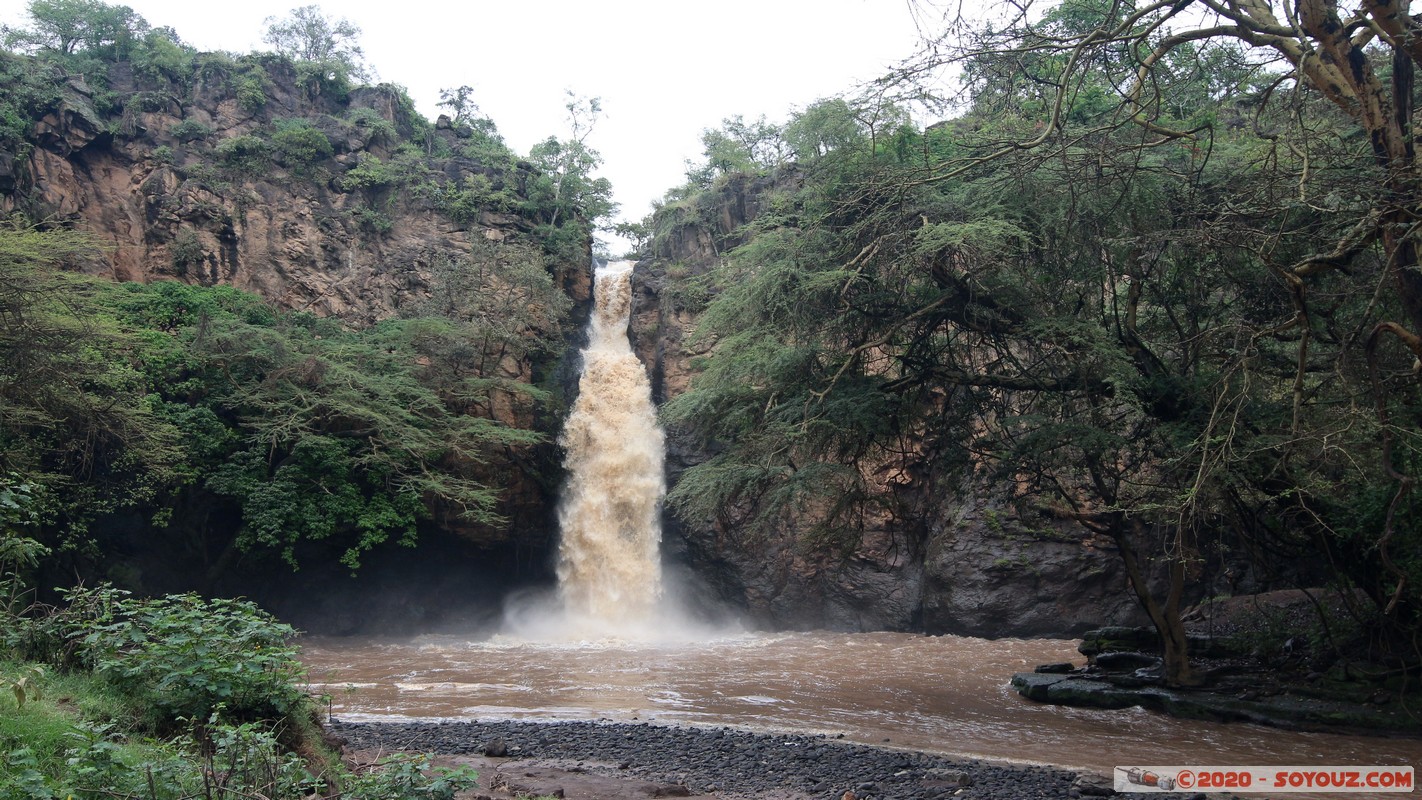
609, 566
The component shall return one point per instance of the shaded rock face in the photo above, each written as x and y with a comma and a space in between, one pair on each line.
161, 186
956, 557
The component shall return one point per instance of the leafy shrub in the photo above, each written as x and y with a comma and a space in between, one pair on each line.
409, 777
189, 656
370, 173
374, 220
18, 554
162, 56
98, 764
477, 194
298, 144
377, 128
245, 153
247, 761
324, 78
31, 89
149, 101
250, 85
186, 251
189, 130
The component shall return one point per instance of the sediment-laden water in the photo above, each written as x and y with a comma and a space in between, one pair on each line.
941, 694
609, 568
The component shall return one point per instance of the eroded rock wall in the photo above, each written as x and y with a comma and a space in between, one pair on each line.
956, 557
153, 183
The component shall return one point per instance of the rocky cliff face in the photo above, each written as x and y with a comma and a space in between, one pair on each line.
957, 557
189, 182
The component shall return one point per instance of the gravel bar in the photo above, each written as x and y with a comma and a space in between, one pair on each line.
730, 762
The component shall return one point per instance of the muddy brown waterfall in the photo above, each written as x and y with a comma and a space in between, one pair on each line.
609, 570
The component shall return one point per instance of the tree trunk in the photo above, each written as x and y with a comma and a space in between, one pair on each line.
1174, 648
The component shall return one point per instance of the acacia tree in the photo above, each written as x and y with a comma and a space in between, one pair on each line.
1130, 283
1361, 63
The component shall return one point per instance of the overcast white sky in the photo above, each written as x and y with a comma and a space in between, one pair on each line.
665, 69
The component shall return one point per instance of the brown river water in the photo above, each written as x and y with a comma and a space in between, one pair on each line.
942, 694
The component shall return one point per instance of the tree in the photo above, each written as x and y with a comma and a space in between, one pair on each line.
68, 27
823, 127
308, 35
73, 424
740, 146
460, 101
567, 166
1361, 63
1140, 299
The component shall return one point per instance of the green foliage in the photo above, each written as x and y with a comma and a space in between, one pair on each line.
566, 189
247, 154
162, 57
379, 130
186, 251
186, 657
371, 172
344, 438
189, 130
247, 760
740, 146
31, 90
49, 755
460, 103
1091, 313
328, 46
18, 553
478, 193
299, 144
70, 404
249, 83
373, 219
78, 742
407, 777
406, 169
824, 127
70, 27
311, 433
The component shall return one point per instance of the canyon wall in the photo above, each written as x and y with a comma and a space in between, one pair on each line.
187, 181
957, 556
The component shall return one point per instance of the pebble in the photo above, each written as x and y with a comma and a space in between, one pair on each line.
736, 763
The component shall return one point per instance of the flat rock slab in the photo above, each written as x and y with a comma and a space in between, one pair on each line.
1280, 711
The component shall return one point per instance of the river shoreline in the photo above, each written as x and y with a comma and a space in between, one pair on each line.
579, 758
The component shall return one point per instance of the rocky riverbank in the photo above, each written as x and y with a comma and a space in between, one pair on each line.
604, 761
1260, 659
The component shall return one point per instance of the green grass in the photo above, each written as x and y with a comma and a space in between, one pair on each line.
68, 723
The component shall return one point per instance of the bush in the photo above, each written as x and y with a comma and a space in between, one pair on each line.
378, 129
190, 658
189, 131
298, 144
248, 761
250, 85
186, 251
245, 153
371, 173
409, 777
